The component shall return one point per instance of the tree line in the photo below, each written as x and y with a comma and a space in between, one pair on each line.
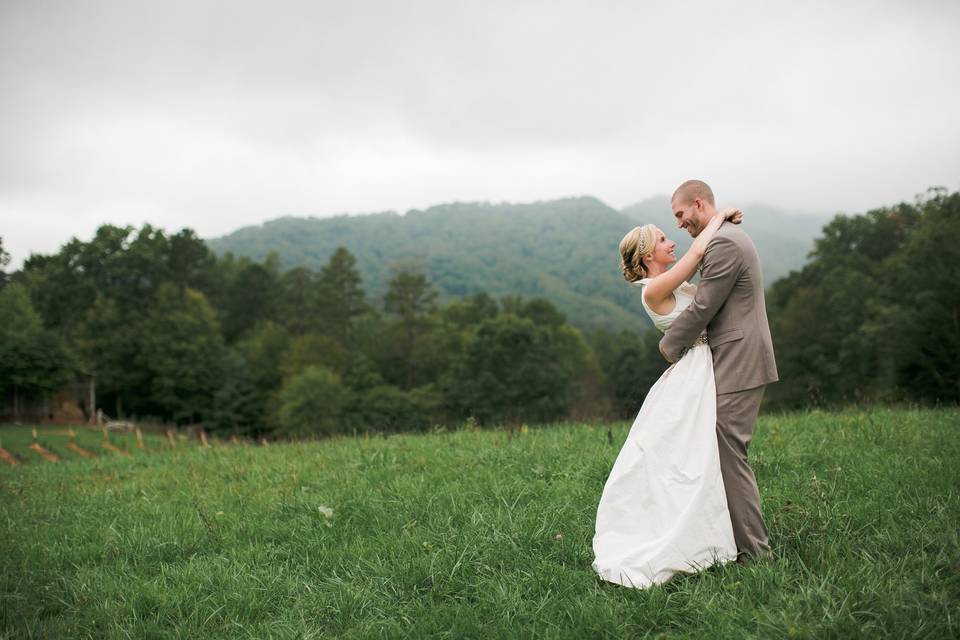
175, 333
874, 315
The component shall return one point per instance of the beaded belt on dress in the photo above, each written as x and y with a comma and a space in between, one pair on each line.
701, 339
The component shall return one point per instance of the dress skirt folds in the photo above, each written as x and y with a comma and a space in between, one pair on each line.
663, 509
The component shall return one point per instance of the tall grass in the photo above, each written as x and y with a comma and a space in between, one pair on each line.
477, 534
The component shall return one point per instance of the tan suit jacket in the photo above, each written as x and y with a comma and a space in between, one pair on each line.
730, 306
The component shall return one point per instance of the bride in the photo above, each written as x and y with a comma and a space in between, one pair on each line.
663, 509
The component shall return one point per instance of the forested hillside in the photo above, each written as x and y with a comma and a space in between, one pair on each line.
875, 313
563, 250
174, 332
171, 332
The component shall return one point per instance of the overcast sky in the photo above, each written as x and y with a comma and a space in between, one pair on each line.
215, 115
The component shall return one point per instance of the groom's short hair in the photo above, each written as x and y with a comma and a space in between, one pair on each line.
693, 189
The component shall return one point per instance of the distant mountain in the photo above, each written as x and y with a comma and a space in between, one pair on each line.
655, 210
564, 250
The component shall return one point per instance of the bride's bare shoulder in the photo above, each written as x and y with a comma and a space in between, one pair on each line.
662, 305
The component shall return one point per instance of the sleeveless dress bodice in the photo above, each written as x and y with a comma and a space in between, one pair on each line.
683, 295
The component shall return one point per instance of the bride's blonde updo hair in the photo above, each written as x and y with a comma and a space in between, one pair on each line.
635, 246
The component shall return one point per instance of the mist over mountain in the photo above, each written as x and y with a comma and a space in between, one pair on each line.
564, 250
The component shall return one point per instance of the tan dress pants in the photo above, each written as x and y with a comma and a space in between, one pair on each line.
736, 417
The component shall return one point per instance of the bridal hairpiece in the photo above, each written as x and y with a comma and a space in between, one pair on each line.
641, 247
642, 242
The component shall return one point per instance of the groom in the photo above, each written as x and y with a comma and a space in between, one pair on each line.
729, 305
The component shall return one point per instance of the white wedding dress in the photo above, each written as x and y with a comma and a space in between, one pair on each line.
663, 509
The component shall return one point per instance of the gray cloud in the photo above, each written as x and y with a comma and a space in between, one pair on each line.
213, 115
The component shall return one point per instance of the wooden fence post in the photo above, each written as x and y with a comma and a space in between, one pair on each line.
94, 414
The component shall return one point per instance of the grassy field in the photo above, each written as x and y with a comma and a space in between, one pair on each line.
473, 534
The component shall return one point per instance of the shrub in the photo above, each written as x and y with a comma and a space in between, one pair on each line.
312, 403
387, 408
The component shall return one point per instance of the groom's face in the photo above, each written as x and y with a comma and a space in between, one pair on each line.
689, 215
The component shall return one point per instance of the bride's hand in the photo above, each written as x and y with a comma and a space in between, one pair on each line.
732, 214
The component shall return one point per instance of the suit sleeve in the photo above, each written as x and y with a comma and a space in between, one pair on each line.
721, 266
